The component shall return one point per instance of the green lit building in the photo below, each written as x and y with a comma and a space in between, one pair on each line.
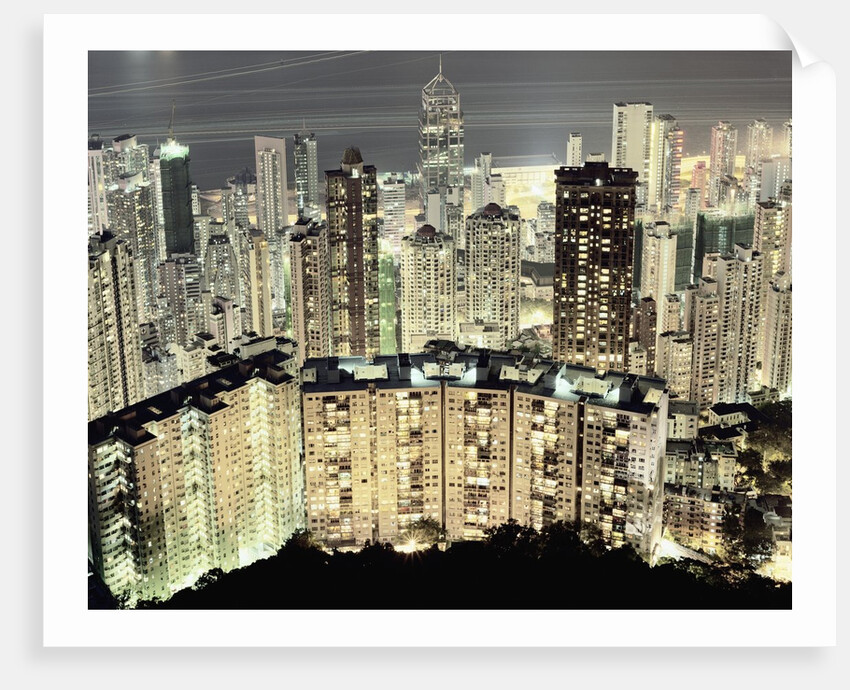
176, 189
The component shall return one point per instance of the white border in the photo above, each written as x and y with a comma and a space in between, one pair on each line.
67, 622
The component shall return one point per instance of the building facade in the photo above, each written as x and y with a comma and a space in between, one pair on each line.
272, 206
306, 175
309, 251
176, 191
440, 137
594, 250
114, 342
352, 198
492, 272
428, 287
207, 475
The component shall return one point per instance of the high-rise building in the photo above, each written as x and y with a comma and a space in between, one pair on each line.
625, 436
181, 309
646, 330
492, 273
257, 296
309, 252
574, 150
594, 249
658, 260
221, 271
306, 175
776, 348
724, 147
759, 142
480, 181
772, 235
98, 216
428, 287
352, 198
207, 475
114, 342
373, 448
440, 137
702, 321
393, 206
674, 354
473, 438
272, 209
631, 142
669, 313
176, 190
786, 139
665, 164
131, 210
130, 156
774, 172
739, 279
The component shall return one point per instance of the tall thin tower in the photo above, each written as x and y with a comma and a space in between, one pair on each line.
352, 199
306, 175
114, 344
594, 250
272, 211
440, 137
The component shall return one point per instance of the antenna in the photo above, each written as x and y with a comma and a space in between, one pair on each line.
171, 123
441, 63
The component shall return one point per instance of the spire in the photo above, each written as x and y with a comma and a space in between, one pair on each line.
441, 63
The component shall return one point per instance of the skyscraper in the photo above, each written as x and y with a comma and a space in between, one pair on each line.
428, 287
702, 321
759, 142
658, 261
594, 248
272, 211
306, 175
311, 293
114, 343
440, 137
480, 181
492, 274
631, 141
181, 310
773, 173
131, 204
221, 271
776, 342
176, 190
257, 284
98, 217
177, 488
772, 235
740, 289
393, 195
130, 156
665, 164
724, 147
352, 201
574, 150
786, 139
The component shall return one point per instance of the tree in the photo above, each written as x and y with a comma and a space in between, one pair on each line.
424, 531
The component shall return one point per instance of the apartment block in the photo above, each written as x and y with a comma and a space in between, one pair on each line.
206, 475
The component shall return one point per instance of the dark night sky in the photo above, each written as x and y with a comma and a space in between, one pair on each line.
514, 103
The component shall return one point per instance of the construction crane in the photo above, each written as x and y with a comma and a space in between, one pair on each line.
171, 122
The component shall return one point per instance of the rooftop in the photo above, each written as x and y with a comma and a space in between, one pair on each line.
202, 394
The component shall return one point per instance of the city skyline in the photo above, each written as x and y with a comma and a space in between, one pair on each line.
370, 99
590, 443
